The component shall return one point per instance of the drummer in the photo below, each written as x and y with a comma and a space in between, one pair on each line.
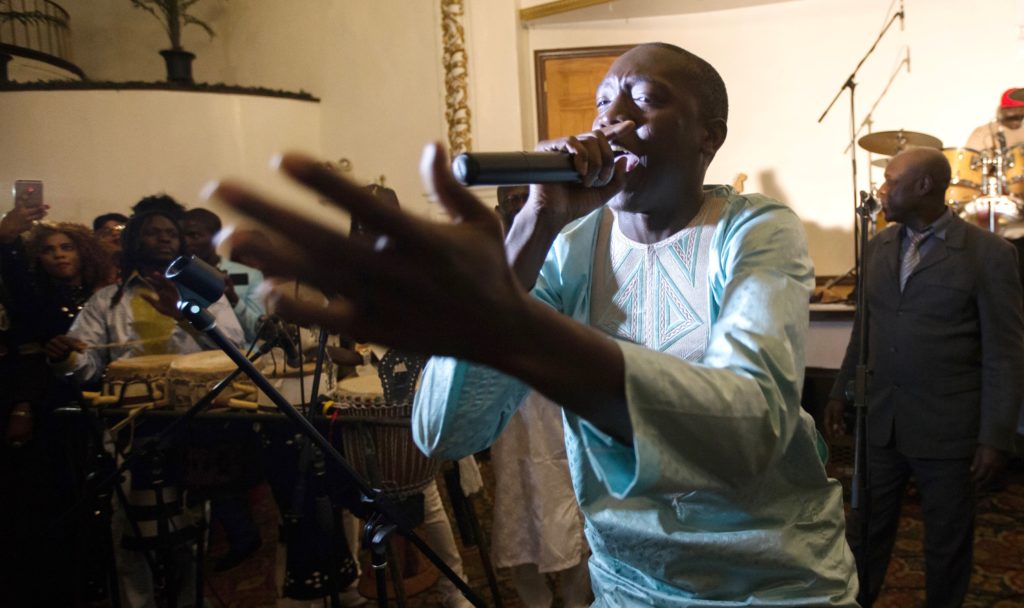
1009, 116
138, 317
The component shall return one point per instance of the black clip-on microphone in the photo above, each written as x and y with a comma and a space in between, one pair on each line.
199, 278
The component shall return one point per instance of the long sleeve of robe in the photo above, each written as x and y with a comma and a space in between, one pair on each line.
722, 499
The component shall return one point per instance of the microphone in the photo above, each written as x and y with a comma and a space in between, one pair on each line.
901, 14
274, 330
868, 203
511, 168
908, 60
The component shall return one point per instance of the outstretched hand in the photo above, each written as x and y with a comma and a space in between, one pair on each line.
427, 287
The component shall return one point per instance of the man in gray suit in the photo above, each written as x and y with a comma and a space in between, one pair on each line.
946, 353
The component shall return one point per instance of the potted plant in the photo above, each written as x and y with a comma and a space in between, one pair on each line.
174, 16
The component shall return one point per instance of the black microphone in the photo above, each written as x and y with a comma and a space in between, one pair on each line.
902, 14
274, 330
511, 168
868, 203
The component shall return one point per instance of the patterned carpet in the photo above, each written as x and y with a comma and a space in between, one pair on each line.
998, 580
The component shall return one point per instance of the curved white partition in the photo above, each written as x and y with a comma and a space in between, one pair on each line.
102, 150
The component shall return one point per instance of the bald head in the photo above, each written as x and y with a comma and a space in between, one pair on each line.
928, 164
915, 186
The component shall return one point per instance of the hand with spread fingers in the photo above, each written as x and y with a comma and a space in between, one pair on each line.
429, 288
422, 286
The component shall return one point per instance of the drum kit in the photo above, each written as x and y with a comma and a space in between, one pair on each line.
986, 186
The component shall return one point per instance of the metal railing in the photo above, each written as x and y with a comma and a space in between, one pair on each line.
37, 29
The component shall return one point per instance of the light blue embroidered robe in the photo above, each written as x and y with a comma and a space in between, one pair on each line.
723, 499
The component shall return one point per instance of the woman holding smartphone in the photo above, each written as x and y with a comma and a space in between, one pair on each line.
48, 274
49, 270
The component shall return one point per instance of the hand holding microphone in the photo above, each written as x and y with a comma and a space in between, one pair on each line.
587, 159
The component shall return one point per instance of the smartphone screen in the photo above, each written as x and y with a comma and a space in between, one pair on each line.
28, 193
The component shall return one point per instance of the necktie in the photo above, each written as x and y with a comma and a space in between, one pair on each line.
913, 255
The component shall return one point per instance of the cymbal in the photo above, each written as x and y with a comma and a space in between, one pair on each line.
881, 163
891, 143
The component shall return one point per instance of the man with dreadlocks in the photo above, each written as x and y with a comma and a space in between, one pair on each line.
140, 317
141, 313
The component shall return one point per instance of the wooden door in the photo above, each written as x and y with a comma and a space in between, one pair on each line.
567, 81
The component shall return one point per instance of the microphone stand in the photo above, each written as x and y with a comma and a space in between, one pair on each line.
859, 487
851, 85
151, 450
384, 517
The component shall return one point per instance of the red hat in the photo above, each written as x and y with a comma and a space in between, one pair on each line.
1016, 101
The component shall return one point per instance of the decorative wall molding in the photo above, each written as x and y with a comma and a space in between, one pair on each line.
456, 78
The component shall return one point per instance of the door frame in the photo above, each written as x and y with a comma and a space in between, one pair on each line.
540, 57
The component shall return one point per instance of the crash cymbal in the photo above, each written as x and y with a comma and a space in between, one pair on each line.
881, 163
891, 143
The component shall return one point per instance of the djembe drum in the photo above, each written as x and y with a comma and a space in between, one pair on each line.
136, 381
377, 438
191, 376
374, 413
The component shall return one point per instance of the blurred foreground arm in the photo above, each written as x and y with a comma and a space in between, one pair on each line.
438, 289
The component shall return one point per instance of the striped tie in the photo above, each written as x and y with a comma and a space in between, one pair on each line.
913, 255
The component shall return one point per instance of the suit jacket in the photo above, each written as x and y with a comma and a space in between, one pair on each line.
946, 355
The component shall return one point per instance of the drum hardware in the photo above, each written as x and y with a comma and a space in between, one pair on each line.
152, 449
850, 84
984, 187
198, 277
96, 500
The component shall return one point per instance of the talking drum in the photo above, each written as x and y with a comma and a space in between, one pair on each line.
377, 438
136, 381
192, 376
967, 175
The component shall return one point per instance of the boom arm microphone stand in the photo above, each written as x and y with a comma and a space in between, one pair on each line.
851, 85
100, 489
205, 281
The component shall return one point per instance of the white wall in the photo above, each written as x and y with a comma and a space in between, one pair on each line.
783, 63
100, 151
375, 64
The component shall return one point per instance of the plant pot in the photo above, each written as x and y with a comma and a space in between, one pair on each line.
179, 65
